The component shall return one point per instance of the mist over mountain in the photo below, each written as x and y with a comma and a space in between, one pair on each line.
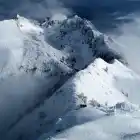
118, 18
69, 70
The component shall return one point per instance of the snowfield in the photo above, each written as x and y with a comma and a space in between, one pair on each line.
61, 79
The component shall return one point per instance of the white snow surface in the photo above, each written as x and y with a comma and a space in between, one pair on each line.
100, 82
52, 85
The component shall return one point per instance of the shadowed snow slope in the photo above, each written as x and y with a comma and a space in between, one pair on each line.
118, 127
52, 69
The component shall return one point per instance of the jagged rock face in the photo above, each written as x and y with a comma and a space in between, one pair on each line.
104, 92
80, 39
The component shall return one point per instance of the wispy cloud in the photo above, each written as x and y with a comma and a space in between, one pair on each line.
128, 37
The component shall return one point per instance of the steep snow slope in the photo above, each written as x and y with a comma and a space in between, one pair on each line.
112, 111
114, 83
56, 114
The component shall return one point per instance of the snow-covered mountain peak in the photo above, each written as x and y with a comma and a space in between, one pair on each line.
72, 42
103, 90
53, 65
78, 38
25, 25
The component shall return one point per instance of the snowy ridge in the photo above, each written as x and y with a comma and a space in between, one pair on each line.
52, 71
103, 97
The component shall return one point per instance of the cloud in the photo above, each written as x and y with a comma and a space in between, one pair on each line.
31, 8
128, 38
